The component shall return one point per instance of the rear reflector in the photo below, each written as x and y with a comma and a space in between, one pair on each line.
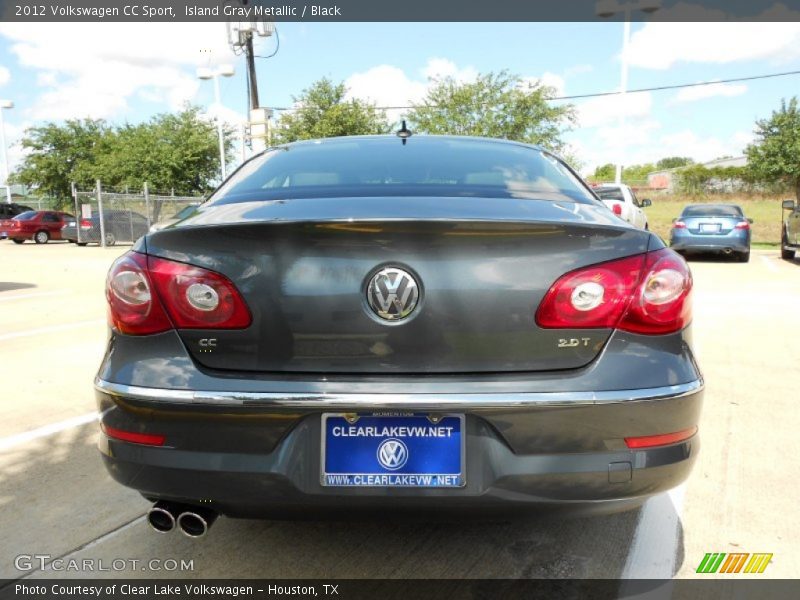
617, 208
146, 439
86, 224
664, 439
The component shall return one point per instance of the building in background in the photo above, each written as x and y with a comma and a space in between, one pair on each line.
665, 180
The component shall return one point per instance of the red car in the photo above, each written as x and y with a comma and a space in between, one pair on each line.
40, 226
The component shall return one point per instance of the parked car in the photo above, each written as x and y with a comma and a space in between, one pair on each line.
374, 323
790, 233
178, 216
119, 226
623, 202
40, 226
717, 228
9, 210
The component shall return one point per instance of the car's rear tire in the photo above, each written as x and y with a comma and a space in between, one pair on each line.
111, 240
744, 256
17, 241
41, 237
71, 241
81, 243
786, 253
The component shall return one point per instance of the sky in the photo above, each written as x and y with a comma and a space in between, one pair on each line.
128, 72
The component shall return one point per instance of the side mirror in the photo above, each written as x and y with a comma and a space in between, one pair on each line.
646, 203
788, 205
750, 221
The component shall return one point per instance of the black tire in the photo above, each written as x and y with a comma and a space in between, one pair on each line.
744, 257
16, 241
41, 237
81, 243
111, 239
786, 253
71, 241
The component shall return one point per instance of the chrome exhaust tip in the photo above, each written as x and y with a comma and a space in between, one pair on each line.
162, 516
196, 522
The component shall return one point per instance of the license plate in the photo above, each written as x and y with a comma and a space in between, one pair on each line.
392, 451
709, 227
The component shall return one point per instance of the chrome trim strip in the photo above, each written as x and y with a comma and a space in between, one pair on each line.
428, 401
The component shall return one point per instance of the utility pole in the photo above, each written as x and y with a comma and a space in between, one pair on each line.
240, 38
251, 70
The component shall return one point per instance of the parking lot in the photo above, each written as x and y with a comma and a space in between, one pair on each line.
57, 499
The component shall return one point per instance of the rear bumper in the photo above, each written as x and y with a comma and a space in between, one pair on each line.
257, 454
736, 241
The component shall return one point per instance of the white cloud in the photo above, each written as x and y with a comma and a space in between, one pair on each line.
549, 79
385, 85
607, 110
660, 45
5, 75
701, 92
93, 69
648, 142
439, 68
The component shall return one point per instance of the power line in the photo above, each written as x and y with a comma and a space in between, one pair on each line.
616, 93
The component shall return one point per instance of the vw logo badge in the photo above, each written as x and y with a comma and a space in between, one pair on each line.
392, 294
392, 454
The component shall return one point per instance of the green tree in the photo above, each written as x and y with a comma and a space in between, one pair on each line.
498, 105
603, 173
673, 162
636, 174
322, 111
177, 151
775, 155
57, 155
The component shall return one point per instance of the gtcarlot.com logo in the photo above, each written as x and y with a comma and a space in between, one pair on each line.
45, 562
736, 562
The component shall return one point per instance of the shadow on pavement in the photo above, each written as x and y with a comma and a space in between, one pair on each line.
7, 286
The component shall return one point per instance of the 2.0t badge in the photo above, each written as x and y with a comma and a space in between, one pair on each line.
392, 294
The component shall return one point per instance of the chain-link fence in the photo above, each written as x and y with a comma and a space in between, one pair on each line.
108, 217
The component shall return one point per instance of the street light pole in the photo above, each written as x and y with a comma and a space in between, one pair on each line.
608, 8
5, 104
204, 74
220, 132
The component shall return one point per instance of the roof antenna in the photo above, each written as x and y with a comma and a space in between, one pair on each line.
404, 133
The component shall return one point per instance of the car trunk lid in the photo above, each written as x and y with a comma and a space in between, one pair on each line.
481, 272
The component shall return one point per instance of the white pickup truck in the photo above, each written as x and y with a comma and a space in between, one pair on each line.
623, 202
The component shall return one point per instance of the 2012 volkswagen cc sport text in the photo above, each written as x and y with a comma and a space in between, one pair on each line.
426, 324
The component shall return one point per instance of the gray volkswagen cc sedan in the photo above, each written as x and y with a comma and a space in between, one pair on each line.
423, 324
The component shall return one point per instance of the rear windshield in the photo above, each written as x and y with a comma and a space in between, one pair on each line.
387, 167
712, 210
26, 216
610, 194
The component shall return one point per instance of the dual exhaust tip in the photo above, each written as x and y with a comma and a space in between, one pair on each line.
193, 521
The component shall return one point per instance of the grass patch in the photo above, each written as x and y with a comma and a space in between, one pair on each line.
765, 211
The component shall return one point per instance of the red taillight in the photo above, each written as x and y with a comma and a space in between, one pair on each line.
86, 224
743, 225
679, 225
664, 439
149, 295
148, 439
197, 298
617, 208
647, 293
133, 305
